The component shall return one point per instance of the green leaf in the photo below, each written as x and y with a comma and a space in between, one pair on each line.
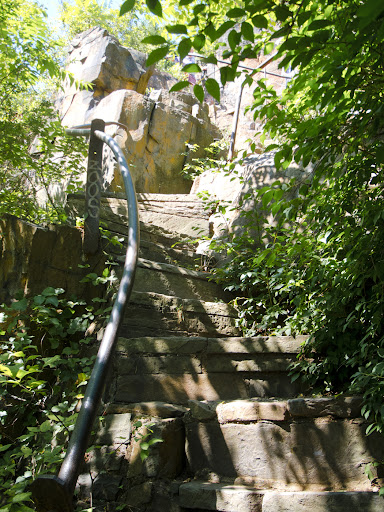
236, 12
20, 305
222, 29
21, 497
54, 301
371, 9
127, 6
155, 440
198, 42
321, 36
185, 2
177, 29
155, 7
247, 31
39, 300
157, 55
227, 74
260, 21
198, 91
198, 9
213, 88
210, 31
210, 60
154, 40
282, 12
194, 21
184, 48
179, 86
234, 39
191, 68
269, 47
44, 427
319, 24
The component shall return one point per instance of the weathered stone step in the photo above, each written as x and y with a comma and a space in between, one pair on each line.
154, 314
179, 369
168, 279
287, 445
206, 496
184, 214
159, 248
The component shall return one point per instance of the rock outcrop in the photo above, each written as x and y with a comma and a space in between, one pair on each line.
159, 126
236, 191
98, 59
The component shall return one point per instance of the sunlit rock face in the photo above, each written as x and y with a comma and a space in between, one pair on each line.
158, 125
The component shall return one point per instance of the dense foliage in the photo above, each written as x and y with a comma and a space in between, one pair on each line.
319, 269
79, 15
28, 70
42, 375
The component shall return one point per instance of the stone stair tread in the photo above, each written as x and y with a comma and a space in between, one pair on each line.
170, 315
224, 497
178, 254
173, 280
151, 408
147, 197
276, 409
187, 218
142, 196
169, 267
228, 345
173, 303
149, 232
185, 369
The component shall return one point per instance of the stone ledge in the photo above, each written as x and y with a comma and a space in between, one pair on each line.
172, 269
156, 409
213, 346
229, 498
322, 502
256, 409
172, 303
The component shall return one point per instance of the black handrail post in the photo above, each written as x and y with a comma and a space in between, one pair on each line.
93, 189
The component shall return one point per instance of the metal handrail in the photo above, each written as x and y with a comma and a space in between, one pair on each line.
55, 493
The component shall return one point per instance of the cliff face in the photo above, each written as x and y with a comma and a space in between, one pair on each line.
158, 125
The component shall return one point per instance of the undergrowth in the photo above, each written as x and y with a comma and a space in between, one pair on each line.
44, 367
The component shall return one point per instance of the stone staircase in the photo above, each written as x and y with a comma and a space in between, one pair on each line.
236, 434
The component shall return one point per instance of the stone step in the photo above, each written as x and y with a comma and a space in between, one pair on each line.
205, 496
159, 248
155, 314
315, 444
172, 280
179, 369
183, 214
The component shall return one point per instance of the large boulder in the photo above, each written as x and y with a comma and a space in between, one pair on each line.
98, 59
154, 141
236, 191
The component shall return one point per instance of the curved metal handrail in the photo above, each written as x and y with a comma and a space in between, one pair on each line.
54, 493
